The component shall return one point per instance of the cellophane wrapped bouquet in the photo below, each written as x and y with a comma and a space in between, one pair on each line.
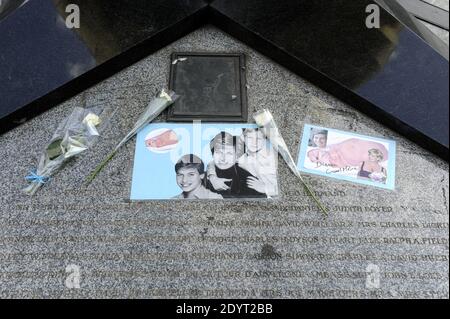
75, 135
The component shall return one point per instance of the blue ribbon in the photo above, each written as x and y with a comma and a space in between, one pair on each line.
35, 178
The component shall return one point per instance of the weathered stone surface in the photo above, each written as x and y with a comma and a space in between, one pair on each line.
282, 248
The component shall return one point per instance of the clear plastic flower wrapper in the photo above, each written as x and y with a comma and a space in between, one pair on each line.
153, 109
265, 121
76, 134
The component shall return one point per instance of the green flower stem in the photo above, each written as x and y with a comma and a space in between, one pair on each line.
100, 166
311, 193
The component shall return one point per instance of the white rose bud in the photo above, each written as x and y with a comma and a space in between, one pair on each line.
91, 120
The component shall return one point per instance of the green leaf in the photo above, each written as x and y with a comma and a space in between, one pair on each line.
54, 149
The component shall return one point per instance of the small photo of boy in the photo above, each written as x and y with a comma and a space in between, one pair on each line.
190, 174
318, 138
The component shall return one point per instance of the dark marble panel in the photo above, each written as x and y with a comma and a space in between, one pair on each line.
398, 11
389, 73
42, 62
9, 6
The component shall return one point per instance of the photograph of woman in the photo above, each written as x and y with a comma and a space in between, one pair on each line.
371, 169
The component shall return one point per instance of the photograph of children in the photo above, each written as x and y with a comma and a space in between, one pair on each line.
203, 161
347, 156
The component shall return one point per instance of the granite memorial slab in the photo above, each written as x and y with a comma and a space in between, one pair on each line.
375, 243
326, 42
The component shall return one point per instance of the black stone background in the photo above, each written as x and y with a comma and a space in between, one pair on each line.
390, 73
